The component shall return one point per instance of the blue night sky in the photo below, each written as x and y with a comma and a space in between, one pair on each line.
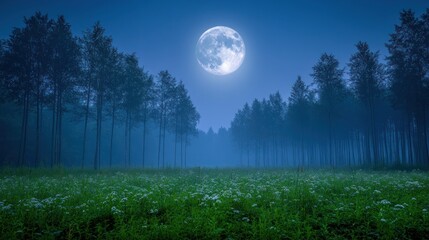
283, 39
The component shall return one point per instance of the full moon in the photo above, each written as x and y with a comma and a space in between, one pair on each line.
220, 50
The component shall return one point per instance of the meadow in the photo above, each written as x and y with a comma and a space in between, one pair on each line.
213, 204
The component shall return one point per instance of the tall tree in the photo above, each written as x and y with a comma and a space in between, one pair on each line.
240, 130
165, 97
17, 80
331, 90
191, 119
115, 95
146, 108
180, 109
100, 59
39, 27
299, 113
277, 113
408, 79
186, 119
134, 90
25, 68
63, 71
256, 119
3, 92
366, 76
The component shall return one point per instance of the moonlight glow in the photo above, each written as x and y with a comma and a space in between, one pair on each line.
220, 50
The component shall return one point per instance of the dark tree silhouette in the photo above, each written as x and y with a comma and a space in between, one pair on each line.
367, 122
331, 91
99, 55
408, 47
146, 108
136, 84
63, 72
25, 70
114, 95
298, 115
38, 27
240, 130
165, 101
186, 119
277, 110
366, 76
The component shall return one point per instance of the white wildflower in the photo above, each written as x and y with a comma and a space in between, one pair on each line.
7, 207
116, 211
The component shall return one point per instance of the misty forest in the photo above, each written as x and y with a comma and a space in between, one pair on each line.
82, 123
80, 102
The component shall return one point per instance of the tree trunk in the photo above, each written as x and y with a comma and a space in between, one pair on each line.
23, 140
181, 143
331, 161
159, 139
111, 136
97, 138
129, 142
410, 142
85, 126
144, 140
97, 157
127, 122
54, 115
37, 158
175, 142
59, 128
163, 142
186, 146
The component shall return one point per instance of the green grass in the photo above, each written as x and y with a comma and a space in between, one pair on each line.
213, 204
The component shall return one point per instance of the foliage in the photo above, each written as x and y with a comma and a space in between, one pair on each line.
42, 65
213, 204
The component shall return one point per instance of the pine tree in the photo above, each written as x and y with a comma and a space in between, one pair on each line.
366, 76
407, 62
298, 114
328, 78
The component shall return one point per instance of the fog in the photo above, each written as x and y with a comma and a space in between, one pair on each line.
82, 103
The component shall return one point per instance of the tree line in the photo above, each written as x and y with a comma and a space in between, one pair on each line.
377, 116
48, 71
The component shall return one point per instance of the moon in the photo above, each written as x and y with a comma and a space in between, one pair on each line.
220, 50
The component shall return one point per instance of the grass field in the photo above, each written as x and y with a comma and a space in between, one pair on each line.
213, 204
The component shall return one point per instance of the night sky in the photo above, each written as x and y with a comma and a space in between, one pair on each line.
283, 39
